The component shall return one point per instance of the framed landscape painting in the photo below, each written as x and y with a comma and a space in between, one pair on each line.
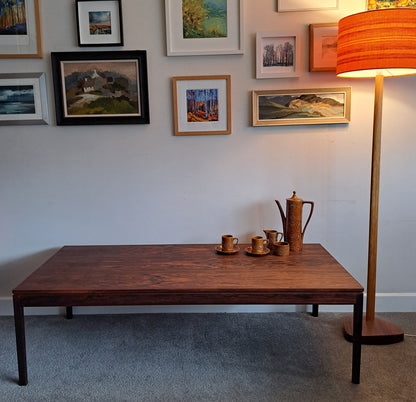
23, 99
202, 105
301, 106
100, 87
20, 31
204, 27
99, 22
277, 55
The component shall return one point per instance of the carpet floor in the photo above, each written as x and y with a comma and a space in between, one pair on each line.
203, 357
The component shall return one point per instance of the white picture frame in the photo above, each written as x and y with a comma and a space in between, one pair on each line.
24, 99
306, 5
231, 43
277, 55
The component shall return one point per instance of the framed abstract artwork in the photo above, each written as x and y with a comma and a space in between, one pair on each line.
20, 30
23, 99
100, 87
204, 27
380, 4
306, 5
323, 40
301, 106
202, 105
277, 55
99, 22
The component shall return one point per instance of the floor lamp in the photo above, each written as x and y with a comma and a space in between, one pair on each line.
377, 44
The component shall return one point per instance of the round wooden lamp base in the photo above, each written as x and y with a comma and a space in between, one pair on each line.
375, 332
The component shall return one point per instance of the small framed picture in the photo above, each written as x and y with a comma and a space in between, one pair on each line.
380, 4
202, 105
20, 30
301, 106
99, 22
323, 40
204, 27
277, 55
306, 5
23, 99
100, 87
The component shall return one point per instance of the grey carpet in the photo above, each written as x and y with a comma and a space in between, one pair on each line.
203, 357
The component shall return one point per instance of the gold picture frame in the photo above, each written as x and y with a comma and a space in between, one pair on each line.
323, 40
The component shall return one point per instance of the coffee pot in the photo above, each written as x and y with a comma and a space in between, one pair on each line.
292, 221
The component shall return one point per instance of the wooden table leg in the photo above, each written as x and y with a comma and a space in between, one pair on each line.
315, 310
357, 332
69, 313
19, 323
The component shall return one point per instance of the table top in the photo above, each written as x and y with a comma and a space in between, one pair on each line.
185, 268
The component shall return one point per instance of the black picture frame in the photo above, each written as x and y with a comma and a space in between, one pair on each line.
109, 13
100, 87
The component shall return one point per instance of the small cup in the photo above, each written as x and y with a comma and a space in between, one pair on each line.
258, 244
281, 248
228, 242
273, 236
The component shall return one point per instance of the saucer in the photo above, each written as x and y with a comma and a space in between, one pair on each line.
265, 252
221, 251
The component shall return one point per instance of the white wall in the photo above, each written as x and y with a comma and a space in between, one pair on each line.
140, 184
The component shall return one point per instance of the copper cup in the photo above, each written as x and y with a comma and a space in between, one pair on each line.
258, 244
228, 242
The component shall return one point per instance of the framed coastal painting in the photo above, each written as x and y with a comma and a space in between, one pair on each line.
204, 27
23, 99
202, 105
323, 40
380, 4
99, 22
306, 5
100, 87
277, 55
20, 30
301, 106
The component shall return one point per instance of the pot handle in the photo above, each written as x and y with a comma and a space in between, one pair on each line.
310, 214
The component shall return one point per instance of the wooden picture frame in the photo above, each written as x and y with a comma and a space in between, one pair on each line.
202, 105
22, 39
99, 22
323, 40
306, 5
23, 99
100, 87
225, 36
301, 106
277, 55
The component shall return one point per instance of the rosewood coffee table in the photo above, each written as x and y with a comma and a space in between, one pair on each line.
185, 274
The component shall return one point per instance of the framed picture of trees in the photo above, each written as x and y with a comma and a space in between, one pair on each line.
277, 55
20, 33
204, 27
202, 104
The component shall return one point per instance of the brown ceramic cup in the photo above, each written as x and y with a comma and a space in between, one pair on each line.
228, 242
281, 248
258, 244
273, 236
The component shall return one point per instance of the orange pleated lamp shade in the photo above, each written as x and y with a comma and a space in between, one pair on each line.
377, 42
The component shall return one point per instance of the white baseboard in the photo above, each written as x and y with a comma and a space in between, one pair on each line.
385, 302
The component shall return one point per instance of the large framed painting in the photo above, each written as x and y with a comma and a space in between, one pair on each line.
20, 30
306, 5
100, 87
323, 39
202, 105
23, 99
301, 106
99, 22
204, 27
380, 4
277, 55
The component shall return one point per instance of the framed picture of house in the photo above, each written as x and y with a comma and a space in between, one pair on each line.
99, 22
202, 105
323, 40
23, 99
204, 27
277, 55
20, 30
301, 106
100, 87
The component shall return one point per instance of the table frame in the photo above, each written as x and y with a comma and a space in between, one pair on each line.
30, 294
